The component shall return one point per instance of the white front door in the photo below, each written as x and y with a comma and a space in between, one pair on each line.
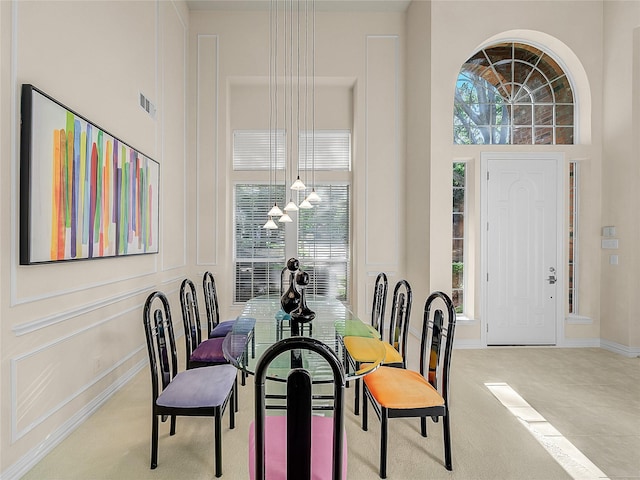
522, 259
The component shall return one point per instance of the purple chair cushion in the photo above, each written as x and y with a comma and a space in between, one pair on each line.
276, 448
199, 387
209, 351
222, 329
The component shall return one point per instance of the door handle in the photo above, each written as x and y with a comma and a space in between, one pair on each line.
551, 279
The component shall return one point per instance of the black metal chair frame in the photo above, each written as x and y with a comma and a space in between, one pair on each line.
213, 313
433, 333
378, 307
210, 301
398, 323
190, 319
379, 302
163, 362
299, 408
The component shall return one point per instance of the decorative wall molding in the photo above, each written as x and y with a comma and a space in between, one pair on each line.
35, 325
382, 190
17, 434
31, 458
161, 68
207, 145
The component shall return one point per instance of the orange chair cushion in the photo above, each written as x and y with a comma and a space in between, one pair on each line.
400, 388
364, 349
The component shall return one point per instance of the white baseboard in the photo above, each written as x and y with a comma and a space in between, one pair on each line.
29, 460
579, 343
620, 349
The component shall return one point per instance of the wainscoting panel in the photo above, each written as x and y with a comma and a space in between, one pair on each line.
207, 150
382, 156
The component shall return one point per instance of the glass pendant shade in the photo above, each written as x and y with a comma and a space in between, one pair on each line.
285, 218
298, 185
291, 207
306, 204
313, 196
275, 211
270, 224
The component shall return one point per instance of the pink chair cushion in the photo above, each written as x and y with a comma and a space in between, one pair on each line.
276, 448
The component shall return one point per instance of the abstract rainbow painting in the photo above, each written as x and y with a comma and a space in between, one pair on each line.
83, 193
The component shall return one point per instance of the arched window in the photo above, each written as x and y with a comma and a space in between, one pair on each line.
513, 93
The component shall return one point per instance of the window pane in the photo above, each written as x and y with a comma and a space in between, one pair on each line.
457, 246
458, 225
543, 114
511, 84
258, 251
458, 251
522, 115
522, 136
564, 136
323, 241
257, 278
544, 136
564, 114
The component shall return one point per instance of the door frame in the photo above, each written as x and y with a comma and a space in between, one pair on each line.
561, 293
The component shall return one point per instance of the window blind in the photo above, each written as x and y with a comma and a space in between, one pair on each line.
332, 150
323, 242
252, 148
259, 252
323, 232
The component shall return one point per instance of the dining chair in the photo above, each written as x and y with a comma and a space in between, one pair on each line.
374, 330
380, 289
362, 350
300, 445
216, 328
397, 392
198, 352
201, 392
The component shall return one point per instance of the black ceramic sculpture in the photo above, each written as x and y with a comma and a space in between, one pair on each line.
302, 314
290, 299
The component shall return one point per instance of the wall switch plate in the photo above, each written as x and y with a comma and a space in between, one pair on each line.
610, 243
613, 259
609, 231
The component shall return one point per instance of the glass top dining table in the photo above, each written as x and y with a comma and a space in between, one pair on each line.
262, 323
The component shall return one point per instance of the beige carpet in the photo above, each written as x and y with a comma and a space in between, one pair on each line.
590, 395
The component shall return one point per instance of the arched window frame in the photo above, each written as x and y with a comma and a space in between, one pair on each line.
504, 95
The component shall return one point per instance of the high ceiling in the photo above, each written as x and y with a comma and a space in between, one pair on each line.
321, 5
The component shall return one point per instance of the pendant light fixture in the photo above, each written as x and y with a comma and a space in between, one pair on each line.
297, 184
285, 218
291, 206
275, 210
270, 225
306, 204
313, 196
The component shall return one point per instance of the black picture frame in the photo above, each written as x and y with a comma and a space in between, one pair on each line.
84, 193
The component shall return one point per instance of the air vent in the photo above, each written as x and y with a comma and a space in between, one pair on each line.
147, 105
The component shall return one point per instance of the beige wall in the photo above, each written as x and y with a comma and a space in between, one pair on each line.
418, 178
456, 33
360, 61
620, 172
71, 333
